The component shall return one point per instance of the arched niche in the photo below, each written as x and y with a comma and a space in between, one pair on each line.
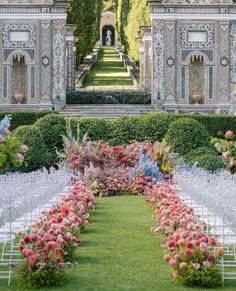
108, 35
198, 77
19, 75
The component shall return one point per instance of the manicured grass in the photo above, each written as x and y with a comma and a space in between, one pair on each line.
108, 72
120, 253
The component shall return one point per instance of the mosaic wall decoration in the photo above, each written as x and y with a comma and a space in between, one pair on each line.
28, 35
158, 57
204, 34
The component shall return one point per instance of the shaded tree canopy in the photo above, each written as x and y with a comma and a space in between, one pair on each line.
86, 15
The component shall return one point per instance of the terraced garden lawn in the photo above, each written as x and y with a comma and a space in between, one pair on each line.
119, 252
108, 72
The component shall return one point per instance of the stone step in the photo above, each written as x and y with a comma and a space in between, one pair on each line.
106, 111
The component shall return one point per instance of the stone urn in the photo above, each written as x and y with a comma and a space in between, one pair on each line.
196, 98
19, 97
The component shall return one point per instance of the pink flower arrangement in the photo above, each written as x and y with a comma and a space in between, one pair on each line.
187, 244
52, 237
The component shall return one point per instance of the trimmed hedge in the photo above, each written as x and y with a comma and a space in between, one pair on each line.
37, 156
91, 97
24, 118
216, 125
209, 162
186, 134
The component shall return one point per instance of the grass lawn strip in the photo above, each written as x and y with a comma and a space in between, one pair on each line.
119, 252
108, 72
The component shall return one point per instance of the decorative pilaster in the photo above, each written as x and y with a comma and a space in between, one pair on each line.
233, 62
45, 62
70, 46
158, 62
59, 61
170, 55
223, 62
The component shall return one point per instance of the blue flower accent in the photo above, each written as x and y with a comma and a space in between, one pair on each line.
4, 124
148, 167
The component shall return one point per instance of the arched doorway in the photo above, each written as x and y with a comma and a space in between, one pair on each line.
108, 35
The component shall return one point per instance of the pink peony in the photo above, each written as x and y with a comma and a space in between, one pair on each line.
175, 274
196, 266
188, 253
203, 247
24, 148
20, 157
229, 134
172, 262
1, 138
183, 265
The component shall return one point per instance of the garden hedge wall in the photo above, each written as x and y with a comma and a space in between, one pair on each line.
91, 97
24, 118
153, 126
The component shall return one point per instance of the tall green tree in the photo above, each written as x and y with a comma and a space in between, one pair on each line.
86, 15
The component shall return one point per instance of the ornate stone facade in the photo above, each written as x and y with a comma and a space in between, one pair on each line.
33, 53
194, 55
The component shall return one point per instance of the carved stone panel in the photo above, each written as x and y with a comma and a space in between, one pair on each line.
170, 52
197, 36
223, 62
19, 35
58, 66
45, 61
158, 60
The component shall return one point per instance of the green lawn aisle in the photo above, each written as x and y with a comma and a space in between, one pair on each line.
119, 252
108, 72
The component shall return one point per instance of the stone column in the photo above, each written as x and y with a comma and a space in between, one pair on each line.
45, 63
223, 66
70, 42
141, 52
170, 52
233, 68
158, 46
59, 62
147, 40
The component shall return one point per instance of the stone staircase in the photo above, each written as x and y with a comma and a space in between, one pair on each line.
106, 111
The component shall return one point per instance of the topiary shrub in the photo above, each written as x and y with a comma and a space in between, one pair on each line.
97, 129
52, 127
191, 156
155, 125
187, 134
209, 162
36, 157
124, 130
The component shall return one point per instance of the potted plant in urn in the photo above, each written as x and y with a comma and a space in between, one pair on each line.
19, 97
196, 97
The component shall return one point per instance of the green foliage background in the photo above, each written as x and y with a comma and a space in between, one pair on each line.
130, 15
86, 15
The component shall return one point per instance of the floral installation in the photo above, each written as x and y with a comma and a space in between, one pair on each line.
48, 247
11, 149
190, 252
132, 169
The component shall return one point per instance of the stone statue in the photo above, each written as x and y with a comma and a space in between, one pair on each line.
108, 38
